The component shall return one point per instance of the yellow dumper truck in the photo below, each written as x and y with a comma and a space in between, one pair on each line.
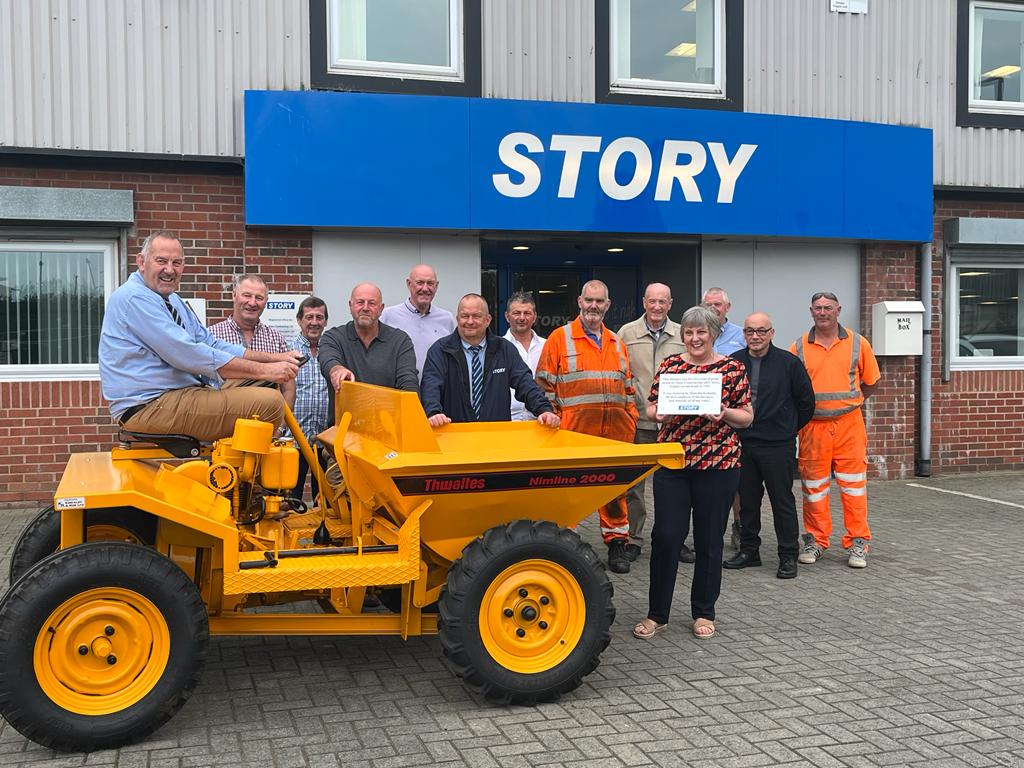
462, 531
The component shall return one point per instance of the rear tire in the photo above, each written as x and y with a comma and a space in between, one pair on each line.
100, 645
41, 537
525, 613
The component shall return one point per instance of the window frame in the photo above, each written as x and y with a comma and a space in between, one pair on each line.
971, 261
971, 112
728, 67
30, 372
392, 77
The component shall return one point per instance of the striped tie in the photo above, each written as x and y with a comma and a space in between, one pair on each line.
476, 380
174, 312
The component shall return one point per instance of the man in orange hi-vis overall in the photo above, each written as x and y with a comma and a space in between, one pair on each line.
844, 373
584, 371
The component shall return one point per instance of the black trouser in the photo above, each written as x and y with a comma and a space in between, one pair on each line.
709, 494
771, 467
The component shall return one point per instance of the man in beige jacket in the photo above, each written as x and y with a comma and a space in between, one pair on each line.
649, 339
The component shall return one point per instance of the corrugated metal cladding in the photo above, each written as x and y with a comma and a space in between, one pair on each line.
895, 64
151, 76
538, 49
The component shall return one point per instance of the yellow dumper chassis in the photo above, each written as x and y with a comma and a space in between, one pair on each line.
461, 532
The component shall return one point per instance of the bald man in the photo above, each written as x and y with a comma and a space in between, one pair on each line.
418, 316
365, 349
783, 401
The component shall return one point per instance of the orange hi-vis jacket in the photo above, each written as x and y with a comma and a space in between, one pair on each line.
837, 372
590, 388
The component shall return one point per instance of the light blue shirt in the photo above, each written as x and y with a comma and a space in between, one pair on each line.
469, 359
730, 339
144, 353
424, 330
311, 395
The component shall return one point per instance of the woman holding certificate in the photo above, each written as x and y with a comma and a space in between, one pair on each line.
699, 398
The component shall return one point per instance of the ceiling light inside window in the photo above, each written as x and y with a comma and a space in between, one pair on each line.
973, 274
688, 50
1007, 70
615, 250
520, 247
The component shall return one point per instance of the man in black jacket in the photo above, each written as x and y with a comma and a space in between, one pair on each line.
469, 375
783, 400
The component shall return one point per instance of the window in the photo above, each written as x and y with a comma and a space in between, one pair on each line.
683, 52
409, 46
52, 299
990, 55
988, 317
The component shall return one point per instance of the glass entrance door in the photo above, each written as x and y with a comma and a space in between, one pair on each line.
554, 291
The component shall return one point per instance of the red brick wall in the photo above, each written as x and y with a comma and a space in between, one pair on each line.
978, 416
42, 423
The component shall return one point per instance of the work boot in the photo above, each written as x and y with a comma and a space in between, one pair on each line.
787, 567
618, 561
734, 540
687, 555
632, 552
858, 554
742, 560
811, 551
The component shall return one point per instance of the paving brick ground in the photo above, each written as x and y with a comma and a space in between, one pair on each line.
918, 660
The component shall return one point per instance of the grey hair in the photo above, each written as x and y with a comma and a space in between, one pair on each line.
239, 279
521, 297
702, 317
715, 289
162, 233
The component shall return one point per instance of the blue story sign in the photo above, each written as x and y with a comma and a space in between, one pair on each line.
323, 159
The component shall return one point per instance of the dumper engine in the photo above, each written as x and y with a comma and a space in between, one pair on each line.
255, 471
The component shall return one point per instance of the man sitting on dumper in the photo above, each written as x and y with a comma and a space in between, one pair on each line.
161, 369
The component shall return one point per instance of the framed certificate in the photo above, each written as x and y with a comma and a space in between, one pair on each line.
689, 394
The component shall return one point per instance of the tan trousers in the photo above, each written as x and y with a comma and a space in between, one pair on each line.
206, 414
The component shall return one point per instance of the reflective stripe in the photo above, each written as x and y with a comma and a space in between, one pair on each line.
815, 496
854, 357
846, 477
593, 399
853, 491
579, 375
836, 395
620, 529
814, 483
800, 350
570, 348
832, 412
547, 376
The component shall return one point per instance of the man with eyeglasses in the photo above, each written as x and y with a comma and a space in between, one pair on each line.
844, 374
418, 316
783, 400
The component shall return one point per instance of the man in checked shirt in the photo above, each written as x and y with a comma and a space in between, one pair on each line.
243, 326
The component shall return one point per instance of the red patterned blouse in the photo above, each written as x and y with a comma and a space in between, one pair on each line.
707, 444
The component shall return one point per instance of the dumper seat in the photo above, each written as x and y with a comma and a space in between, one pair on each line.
179, 446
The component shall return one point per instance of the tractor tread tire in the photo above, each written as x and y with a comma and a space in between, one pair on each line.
41, 537
468, 578
27, 606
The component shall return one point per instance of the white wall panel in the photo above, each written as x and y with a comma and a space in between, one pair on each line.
779, 278
538, 49
894, 64
341, 261
148, 76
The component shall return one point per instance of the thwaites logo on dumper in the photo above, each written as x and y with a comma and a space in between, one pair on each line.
512, 481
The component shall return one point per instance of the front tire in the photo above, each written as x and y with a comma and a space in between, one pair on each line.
100, 645
525, 613
41, 537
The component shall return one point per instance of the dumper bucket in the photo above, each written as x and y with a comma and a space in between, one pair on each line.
480, 475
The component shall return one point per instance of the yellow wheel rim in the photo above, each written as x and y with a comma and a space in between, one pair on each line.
532, 616
101, 651
111, 532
